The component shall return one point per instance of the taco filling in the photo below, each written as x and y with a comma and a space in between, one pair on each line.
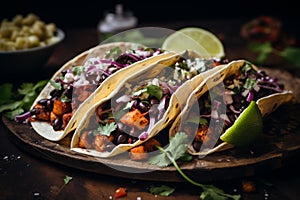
240, 89
137, 107
76, 84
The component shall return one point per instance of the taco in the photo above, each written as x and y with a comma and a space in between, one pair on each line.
215, 105
77, 80
141, 106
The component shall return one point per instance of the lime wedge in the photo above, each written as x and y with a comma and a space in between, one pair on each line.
247, 127
193, 38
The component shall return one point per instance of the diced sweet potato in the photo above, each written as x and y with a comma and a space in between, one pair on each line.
101, 142
151, 144
52, 117
84, 141
60, 107
135, 119
66, 118
138, 153
202, 133
41, 113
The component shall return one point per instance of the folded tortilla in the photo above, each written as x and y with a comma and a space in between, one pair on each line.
45, 129
213, 106
115, 124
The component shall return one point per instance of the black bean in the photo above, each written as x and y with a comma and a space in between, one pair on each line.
122, 138
42, 102
55, 93
63, 72
197, 145
57, 124
144, 107
154, 101
34, 111
68, 92
49, 105
135, 104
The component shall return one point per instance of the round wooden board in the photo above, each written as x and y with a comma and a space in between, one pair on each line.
279, 142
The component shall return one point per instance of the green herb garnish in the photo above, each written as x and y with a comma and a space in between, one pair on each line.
290, 54
113, 53
178, 148
162, 190
77, 70
55, 84
106, 129
155, 91
15, 103
67, 179
151, 90
250, 83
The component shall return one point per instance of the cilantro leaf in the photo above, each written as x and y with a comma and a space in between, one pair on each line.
55, 85
152, 90
139, 92
67, 179
250, 83
292, 55
113, 53
25, 88
163, 190
174, 151
128, 105
155, 91
177, 148
77, 70
6, 92
10, 106
211, 192
264, 49
15, 104
13, 113
106, 129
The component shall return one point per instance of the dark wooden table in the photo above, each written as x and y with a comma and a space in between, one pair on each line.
26, 176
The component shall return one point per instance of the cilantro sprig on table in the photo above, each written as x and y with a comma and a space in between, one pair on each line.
264, 50
176, 150
13, 103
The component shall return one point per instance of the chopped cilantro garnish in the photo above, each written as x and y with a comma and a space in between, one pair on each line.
176, 149
155, 91
77, 70
250, 83
152, 90
128, 105
139, 92
162, 190
64, 98
55, 85
13, 104
113, 53
247, 67
106, 129
67, 179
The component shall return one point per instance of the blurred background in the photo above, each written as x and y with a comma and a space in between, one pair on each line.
88, 12
84, 16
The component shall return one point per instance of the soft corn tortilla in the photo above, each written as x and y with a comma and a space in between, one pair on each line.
266, 105
177, 101
46, 130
